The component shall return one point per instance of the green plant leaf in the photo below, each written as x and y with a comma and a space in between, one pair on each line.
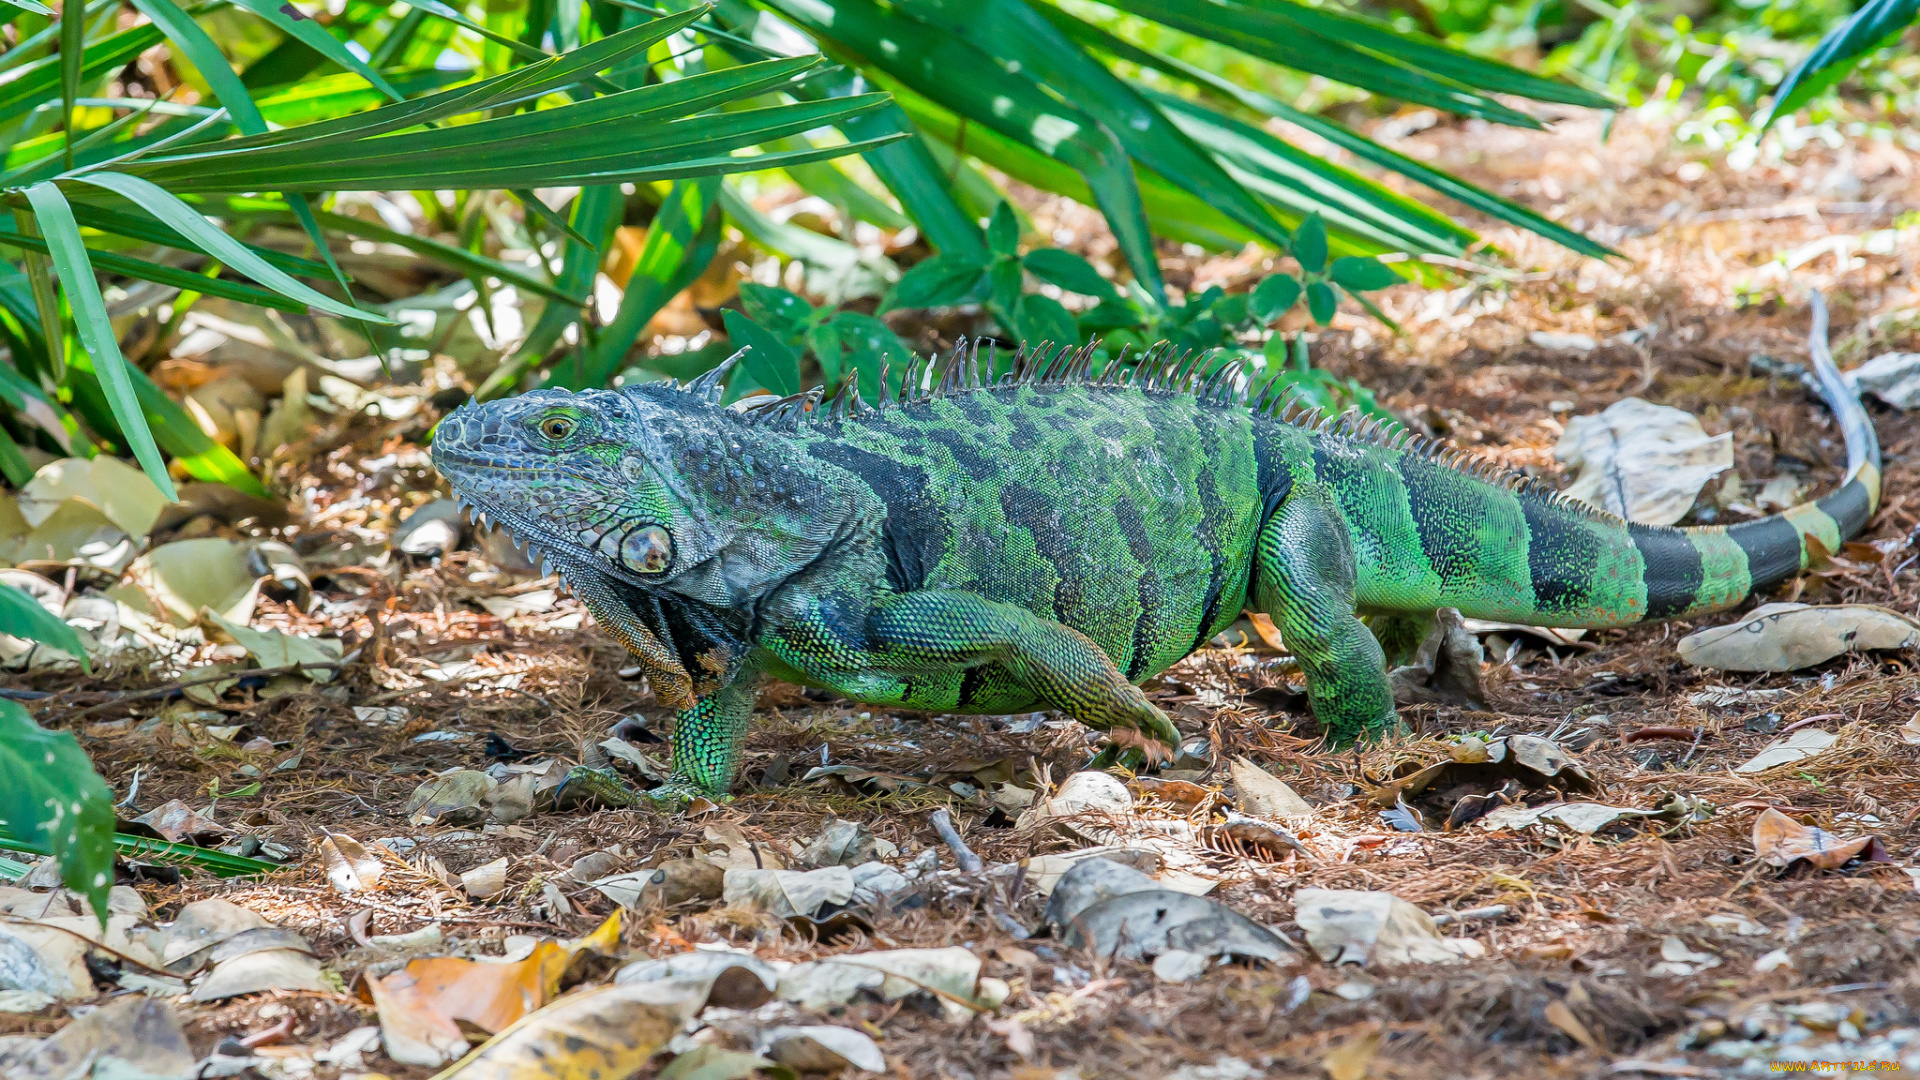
1310, 244
681, 242
95, 328
22, 616
1003, 231
41, 78
1838, 52
108, 262
926, 59
778, 310
1038, 318
872, 346
199, 50
1355, 274
296, 24
1322, 301
768, 362
185, 220
51, 797
150, 849
944, 280
1069, 271
1274, 297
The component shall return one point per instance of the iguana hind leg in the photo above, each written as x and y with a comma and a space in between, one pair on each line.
939, 630
1304, 580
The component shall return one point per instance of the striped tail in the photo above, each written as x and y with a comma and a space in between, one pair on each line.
1699, 570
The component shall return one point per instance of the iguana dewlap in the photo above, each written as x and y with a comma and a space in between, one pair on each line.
1053, 539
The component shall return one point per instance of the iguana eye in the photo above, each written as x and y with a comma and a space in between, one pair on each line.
556, 427
647, 550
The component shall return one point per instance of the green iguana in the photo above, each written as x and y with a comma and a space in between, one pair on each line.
1053, 538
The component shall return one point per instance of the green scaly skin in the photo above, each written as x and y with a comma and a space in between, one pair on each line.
1054, 539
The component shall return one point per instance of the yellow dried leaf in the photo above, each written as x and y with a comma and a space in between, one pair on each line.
1350, 1059
1562, 1017
605, 1032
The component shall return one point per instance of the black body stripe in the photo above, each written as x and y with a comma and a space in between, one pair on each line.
1673, 570
1773, 550
915, 532
1850, 507
1563, 558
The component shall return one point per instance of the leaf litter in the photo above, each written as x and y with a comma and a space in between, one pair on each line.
1588, 871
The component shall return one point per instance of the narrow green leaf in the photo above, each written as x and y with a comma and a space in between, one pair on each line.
22, 616
1495, 206
110, 263
170, 210
926, 59
37, 80
51, 797
1321, 301
1069, 271
73, 56
148, 849
95, 328
681, 242
198, 49
1354, 274
768, 362
595, 213
548, 214
1003, 231
35, 6
1274, 297
1838, 51
296, 24
145, 229
941, 281
1310, 244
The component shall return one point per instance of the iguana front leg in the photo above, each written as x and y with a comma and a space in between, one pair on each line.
707, 740
1304, 580
938, 630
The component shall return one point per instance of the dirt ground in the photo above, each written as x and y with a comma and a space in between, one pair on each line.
1707, 302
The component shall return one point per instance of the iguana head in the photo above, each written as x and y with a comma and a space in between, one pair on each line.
667, 515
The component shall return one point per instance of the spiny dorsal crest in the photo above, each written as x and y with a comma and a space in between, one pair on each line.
1161, 369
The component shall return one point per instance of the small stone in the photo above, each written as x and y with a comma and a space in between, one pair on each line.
1763, 724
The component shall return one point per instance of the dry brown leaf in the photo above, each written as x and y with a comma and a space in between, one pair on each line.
349, 866
1778, 840
1562, 1017
1265, 795
1910, 731
1788, 637
1350, 1059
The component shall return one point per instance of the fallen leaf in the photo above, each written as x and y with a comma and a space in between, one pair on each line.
134, 1036
1788, 637
1180, 966
1118, 911
951, 975
350, 868
1910, 731
259, 970
277, 649
1679, 961
1265, 795
842, 843
1585, 818
1562, 1017
710, 1062
726, 978
1019, 1039
1088, 794
608, 1031
676, 881
1794, 746
119, 491
1353, 926
486, 881
1772, 961
819, 1048
788, 893
1780, 841
1350, 1059
176, 821
536, 602
456, 797
177, 581
1644, 462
